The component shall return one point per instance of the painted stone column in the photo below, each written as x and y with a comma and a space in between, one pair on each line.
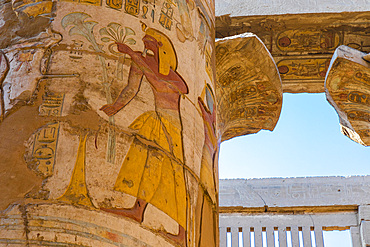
108, 123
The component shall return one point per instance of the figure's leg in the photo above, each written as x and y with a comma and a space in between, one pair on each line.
177, 209
198, 215
136, 212
180, 238
129, 181
208, 224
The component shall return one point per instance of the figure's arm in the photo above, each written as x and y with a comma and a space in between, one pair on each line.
138, 60
176, 82
127, 93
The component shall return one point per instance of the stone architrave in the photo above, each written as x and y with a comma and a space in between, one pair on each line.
108, 123
347, 89
301, 44
249, 87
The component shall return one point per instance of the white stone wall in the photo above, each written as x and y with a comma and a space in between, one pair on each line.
293, 192
276, 7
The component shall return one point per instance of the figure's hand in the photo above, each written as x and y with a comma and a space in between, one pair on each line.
123, 48
109, 109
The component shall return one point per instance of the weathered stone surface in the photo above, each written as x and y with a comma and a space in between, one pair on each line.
248, 86
108, 115
278, 7
347, 89
24, 39
302, 44
294, 205
295, 192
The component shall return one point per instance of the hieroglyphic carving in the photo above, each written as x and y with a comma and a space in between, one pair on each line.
347, 89
298, 69
52, 104
359, 40
305, 40
132, 7
76, 49
308, 40
249, 86
115, 4
165, 19
90, 2
44, 149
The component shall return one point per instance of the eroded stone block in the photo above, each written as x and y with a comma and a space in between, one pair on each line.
248, 86
347, 89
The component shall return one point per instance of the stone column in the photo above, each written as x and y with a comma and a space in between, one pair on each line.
108, 123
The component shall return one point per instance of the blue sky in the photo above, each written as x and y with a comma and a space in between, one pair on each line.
306, 142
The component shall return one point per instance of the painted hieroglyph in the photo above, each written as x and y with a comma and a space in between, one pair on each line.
113, 108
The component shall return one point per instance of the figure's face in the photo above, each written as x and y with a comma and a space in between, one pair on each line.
210, 100
151, 43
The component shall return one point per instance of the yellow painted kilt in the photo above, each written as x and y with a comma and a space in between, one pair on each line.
155, 173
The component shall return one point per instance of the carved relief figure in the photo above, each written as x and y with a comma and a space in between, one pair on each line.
206, 205
153, 169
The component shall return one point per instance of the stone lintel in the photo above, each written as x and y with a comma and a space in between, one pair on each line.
302, 44
290, 210
347, 88
295, 192
248, 86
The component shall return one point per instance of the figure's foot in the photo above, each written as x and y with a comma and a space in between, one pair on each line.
179, 239
136, 212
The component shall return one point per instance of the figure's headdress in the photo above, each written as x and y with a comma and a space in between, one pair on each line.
166, 52
208, 97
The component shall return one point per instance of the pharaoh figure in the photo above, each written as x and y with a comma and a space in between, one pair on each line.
206, 203
153, 169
